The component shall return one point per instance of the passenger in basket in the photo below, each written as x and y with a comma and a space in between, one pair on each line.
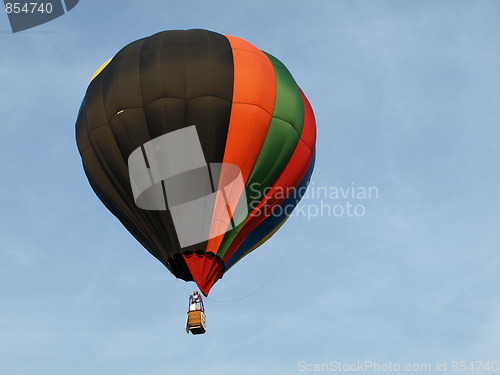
194, 301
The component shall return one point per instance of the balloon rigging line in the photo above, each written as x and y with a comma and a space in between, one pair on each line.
270, 277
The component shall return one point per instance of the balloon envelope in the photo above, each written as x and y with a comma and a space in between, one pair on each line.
200, 144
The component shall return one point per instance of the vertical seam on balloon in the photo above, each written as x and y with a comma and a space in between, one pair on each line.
140, 83
150, 217
186, 101
211, 92
164, 115
115, 84
163, 96
212, 184
117, 102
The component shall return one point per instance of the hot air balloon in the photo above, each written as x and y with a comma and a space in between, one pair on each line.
200, 144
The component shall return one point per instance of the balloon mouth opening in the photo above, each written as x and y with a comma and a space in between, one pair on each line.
199, 253
204, 268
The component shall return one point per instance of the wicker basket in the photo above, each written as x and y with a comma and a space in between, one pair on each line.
196, 322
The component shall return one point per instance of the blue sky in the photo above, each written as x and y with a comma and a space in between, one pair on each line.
406, 100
